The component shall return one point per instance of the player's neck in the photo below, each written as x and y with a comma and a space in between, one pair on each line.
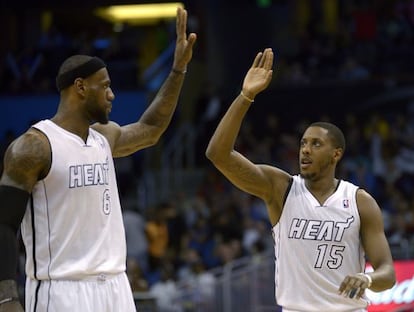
323, 188
73, 124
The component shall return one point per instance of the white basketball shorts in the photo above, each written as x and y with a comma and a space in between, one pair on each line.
103, 293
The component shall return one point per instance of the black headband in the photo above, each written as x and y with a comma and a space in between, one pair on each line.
82, 71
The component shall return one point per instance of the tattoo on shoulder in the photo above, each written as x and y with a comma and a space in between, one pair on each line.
27, 158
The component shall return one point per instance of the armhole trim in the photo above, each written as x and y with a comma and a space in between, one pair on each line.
287, 191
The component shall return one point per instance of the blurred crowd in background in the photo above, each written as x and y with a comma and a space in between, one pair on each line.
313, 41
189, 233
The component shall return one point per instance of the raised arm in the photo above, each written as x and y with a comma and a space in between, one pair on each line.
156, 118
26, 160
262, 181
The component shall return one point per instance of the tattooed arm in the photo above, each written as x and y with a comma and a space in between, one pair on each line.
266, 182
26, 161
155, 120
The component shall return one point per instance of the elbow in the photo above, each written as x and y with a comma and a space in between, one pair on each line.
153, 141
152, 135
211, 154
218, 158
153, 138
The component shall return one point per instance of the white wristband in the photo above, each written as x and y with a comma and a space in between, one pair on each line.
7, 300
368, 277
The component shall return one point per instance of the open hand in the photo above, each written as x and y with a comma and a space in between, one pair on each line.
184, 44
259, 75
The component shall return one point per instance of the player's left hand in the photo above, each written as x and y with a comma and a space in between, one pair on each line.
184, 44
353, 286
259, 75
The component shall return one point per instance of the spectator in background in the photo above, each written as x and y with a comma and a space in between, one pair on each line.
23, 68
352, 70
156, 231
136, 240
136, 276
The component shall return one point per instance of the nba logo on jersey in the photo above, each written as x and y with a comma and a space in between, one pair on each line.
345, 203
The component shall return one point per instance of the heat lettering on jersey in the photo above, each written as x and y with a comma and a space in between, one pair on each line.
320, 230
88, 174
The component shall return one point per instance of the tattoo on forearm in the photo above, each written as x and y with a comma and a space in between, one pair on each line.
163, 106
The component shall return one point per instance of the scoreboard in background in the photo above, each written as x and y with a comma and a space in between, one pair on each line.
400, 298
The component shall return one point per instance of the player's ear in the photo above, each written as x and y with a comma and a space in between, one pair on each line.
79, 84
337, 155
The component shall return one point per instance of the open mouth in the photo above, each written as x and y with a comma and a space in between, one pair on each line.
305, 162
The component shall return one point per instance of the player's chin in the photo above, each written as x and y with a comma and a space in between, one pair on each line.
307, 175
104, 119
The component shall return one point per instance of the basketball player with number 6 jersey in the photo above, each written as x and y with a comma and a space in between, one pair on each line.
59, 185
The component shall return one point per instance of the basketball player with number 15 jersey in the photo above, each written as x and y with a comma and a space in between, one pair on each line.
323, 227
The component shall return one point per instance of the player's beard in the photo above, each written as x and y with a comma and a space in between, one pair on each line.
96, 112
102, 117
313, 176
308, 176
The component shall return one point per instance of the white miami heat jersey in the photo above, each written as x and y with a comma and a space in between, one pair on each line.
322, 241
73, 223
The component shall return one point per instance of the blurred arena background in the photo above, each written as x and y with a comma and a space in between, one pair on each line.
347, 61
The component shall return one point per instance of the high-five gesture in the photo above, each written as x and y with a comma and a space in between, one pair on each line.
259, 75
184, 44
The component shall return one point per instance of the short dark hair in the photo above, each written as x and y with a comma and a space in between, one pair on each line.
73, 62
77, 66
336, 134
